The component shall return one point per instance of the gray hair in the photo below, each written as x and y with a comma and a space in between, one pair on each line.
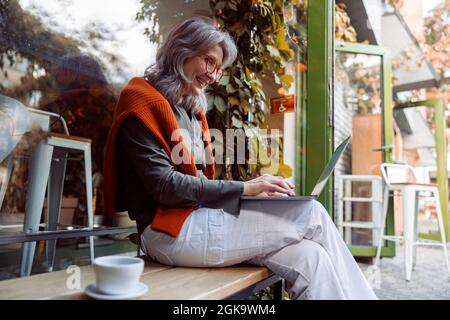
184, 41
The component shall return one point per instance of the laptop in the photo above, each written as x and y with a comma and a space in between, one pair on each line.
321, 182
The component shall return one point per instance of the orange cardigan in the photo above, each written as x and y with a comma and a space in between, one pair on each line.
141, 100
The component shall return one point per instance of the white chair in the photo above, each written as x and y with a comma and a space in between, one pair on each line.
47, 171
399, 177
344, 220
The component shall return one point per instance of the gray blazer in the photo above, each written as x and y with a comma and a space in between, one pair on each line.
147, 179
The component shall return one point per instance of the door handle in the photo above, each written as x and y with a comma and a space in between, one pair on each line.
386, 147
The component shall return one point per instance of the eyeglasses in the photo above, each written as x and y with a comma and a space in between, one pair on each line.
211, 65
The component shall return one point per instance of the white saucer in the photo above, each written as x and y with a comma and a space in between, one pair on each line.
92, 291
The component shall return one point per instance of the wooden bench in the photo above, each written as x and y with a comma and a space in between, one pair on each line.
164, 283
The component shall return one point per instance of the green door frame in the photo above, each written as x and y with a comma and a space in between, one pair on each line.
314, 110
387, 115
315, 117
441, 159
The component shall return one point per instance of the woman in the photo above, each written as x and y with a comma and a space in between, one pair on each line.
184, 216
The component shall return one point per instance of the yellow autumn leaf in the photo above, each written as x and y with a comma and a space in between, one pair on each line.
287, 79
285, 171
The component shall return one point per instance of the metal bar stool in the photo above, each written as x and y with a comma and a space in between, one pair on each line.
396, 179
47, 171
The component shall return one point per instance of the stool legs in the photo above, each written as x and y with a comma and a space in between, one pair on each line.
4, 184
88, 174
56, 184
340, 214
348, 211
382, 224
54, 195
408, 228
377, 210
39, 174
441, 227
39, 169
416, 230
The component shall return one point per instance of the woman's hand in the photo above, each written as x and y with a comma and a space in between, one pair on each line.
268, 185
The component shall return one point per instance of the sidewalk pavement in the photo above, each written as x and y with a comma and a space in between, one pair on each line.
430, 279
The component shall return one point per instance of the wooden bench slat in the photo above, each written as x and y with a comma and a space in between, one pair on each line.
224, 287
41, 285
201, 283
164, 282
53, 284
193, 283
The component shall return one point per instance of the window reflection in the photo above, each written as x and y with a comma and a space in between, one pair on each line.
71, 58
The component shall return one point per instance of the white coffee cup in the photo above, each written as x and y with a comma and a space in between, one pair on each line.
117, 274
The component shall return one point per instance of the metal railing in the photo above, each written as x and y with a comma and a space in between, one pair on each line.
63, 234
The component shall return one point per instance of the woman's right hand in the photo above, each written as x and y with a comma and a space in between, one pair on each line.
268, 185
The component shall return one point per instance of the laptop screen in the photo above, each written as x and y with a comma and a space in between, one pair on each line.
322, 181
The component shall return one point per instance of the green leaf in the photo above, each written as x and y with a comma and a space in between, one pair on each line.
283, 45
254, 87
219, 103
277, 78
247, 73
238, 82
232, 101
236, 122
220, 5
288, 53
287, 79
230, 88
261, 93
245, 106
210, 102
273, 51
249, 132
224, 80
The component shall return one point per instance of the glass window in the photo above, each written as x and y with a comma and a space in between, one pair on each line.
73, 58
358, 112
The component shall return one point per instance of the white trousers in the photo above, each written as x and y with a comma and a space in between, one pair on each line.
297, 240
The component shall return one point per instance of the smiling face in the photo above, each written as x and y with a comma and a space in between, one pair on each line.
195, 69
